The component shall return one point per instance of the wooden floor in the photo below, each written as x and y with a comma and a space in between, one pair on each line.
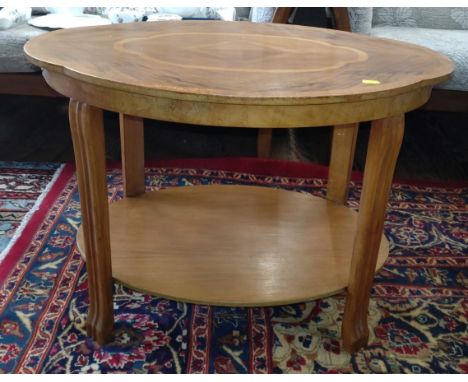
435, 146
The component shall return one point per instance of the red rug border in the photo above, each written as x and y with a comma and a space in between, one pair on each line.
277, 167
32, 226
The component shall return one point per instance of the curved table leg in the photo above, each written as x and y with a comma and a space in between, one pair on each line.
341, 161
133, 154
86, 124
384, 145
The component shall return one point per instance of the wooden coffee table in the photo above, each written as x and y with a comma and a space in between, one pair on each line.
235, 245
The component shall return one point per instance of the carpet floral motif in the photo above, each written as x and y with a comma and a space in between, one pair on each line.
417, 316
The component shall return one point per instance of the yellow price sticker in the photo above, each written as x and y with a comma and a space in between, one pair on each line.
371, 82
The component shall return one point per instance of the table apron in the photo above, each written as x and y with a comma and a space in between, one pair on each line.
235, 115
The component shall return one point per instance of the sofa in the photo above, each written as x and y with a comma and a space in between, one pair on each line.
444, 30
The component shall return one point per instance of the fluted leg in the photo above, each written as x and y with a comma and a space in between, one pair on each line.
341, 161
86, 124
384, 145
133, 154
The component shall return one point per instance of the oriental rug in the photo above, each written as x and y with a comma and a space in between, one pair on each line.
418, 312
23, 187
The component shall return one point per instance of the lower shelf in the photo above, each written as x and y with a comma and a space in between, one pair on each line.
232, 245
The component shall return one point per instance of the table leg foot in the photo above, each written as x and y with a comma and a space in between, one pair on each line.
87, 128
99, 331
355, 334
384, 146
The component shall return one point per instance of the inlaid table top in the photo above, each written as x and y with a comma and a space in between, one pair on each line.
239, 62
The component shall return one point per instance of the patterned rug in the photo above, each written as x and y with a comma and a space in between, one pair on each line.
418, 311
22, 189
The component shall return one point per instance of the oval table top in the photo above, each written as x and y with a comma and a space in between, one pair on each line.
238, 62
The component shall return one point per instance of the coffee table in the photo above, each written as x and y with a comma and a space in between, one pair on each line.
235, 245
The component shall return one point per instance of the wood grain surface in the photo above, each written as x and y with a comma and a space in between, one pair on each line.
132, 142
238, 62
233, 245
384, 146
341, 161
236, 115
87, 128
